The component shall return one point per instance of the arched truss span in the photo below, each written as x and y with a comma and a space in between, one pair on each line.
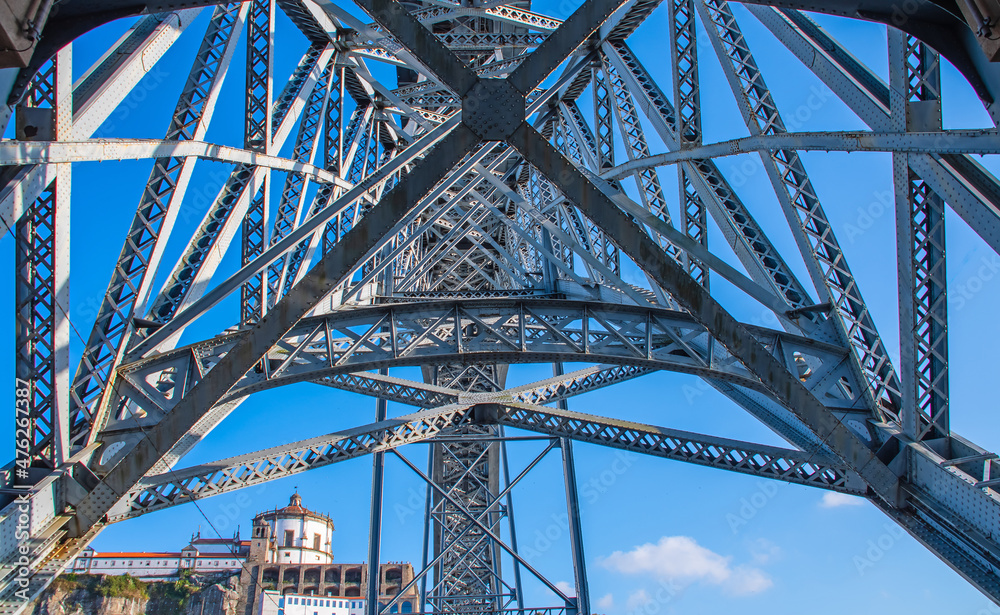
473, 214
540, 331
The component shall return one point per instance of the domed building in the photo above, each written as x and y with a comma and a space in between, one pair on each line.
290, 567
299, 535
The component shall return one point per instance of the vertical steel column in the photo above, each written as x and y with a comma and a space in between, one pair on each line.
518, 587
334, 119
428, 522
64, 132
375, 515
257, 137
42, 326
355, 140
603, 119
647, 180
687, 103
915, 102
35, 342
573, 511
468, 577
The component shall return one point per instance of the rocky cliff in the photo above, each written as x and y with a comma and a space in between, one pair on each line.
124, 595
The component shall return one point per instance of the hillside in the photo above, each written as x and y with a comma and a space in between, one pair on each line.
125, 595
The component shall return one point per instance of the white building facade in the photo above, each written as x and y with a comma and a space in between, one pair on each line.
273, 603
301, 536
201, 556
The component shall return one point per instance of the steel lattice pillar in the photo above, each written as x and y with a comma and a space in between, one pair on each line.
42, 290
467, 578
258, 137
915, 95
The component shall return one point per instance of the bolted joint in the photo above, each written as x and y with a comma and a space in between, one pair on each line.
493, 109
486, 414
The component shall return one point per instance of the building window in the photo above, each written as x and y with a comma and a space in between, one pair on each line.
289, 538
316, 539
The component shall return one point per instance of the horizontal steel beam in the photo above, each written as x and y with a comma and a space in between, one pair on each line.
185, 485
103, 150
947, 142
226, 475
734, 455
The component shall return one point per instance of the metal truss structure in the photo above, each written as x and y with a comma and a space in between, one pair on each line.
475, 213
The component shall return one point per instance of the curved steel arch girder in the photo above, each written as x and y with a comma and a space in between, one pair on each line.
331, 270
506, 331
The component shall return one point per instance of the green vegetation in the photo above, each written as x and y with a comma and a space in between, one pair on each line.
68, 583
125, 586
163, 596
174, 595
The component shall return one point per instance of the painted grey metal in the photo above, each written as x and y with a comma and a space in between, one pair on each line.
573, 508
375, 517
42, 326
132, 280
467, 218
915, 101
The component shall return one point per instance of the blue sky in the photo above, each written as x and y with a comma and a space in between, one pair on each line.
661, 537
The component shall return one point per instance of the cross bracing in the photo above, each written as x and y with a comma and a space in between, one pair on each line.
486, 208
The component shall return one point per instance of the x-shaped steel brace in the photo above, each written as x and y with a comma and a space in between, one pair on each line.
494, 110
386, 217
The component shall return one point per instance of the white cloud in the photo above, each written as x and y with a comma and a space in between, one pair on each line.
637, 600
607, 602
747, 580
763, 550
681, 558
832, 499
566, 588
673, 557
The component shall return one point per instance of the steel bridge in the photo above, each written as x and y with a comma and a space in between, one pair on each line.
478, 212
